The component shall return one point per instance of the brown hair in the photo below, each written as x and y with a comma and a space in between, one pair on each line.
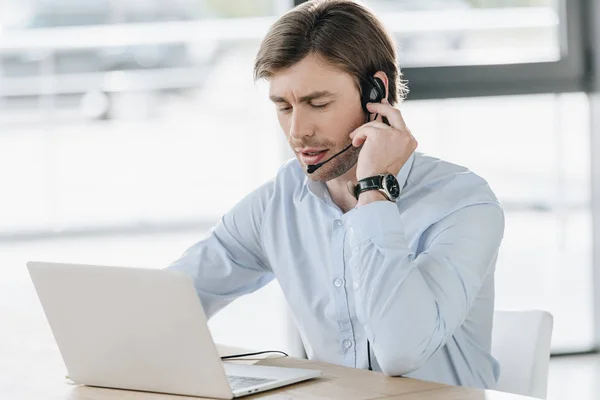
343, 32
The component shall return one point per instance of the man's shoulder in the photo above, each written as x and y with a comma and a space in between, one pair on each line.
288, 178
429, 167
452, 184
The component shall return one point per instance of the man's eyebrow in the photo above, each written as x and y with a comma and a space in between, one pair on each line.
315, 95
277, 99
303, 99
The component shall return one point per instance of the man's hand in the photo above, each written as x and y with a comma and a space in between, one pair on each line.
385, 148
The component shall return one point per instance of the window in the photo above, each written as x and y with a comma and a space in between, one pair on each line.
472, 32
459, 48
120, 114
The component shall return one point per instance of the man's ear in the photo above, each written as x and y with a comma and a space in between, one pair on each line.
382, 75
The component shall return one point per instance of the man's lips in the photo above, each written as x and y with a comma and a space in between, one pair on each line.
311, 156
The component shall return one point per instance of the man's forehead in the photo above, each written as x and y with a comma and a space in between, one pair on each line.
305, 84
309, 88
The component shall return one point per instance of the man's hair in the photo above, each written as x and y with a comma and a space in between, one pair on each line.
344, 33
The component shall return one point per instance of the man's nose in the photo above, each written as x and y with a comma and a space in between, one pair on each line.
300, 126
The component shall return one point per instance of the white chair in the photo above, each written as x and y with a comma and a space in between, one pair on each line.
521, 344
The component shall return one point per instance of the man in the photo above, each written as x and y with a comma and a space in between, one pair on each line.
404, 284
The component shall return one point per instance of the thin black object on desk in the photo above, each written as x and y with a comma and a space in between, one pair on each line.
253, 354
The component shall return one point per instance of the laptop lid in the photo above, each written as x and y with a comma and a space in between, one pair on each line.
130, 328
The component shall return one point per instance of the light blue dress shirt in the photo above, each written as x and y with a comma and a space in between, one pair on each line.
415, 278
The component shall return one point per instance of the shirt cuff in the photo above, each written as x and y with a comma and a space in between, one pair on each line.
373, 220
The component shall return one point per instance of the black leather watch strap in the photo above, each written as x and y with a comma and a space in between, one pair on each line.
366, 184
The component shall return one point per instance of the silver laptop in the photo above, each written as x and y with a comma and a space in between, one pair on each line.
142, 329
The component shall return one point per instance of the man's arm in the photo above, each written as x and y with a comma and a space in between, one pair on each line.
230, 262
411, 305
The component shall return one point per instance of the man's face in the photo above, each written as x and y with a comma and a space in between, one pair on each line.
318, 106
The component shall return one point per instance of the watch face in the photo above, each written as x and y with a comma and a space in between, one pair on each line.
392, 186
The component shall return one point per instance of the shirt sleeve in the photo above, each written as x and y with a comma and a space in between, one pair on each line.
230, 262
411, 305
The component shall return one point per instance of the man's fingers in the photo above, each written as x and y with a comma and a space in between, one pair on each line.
372, 124
361, 134
377, 124
359, 137
393, 115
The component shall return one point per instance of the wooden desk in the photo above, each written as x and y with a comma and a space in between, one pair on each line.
40, 376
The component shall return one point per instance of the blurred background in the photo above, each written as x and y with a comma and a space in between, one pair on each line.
115, 115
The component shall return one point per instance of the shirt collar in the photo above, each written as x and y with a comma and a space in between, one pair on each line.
318, 189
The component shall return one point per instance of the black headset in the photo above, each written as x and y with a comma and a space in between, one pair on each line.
372, 90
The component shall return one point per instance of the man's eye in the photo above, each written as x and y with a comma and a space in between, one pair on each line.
319, 105
284, 109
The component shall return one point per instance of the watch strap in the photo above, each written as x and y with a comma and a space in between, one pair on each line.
366, 184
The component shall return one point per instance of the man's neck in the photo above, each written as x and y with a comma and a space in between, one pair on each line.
338, 190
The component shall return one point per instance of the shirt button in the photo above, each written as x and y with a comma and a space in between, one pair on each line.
339, 222
355, 285
347, 344
338, 282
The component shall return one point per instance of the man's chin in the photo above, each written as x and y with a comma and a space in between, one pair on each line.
331, 170
318, 176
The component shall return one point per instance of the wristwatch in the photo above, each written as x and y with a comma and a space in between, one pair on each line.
387, 184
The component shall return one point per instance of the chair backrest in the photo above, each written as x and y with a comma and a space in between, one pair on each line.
521, 344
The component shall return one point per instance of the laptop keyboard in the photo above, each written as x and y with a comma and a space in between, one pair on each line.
241, 382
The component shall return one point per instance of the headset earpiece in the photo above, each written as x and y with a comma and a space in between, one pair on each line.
372, 91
